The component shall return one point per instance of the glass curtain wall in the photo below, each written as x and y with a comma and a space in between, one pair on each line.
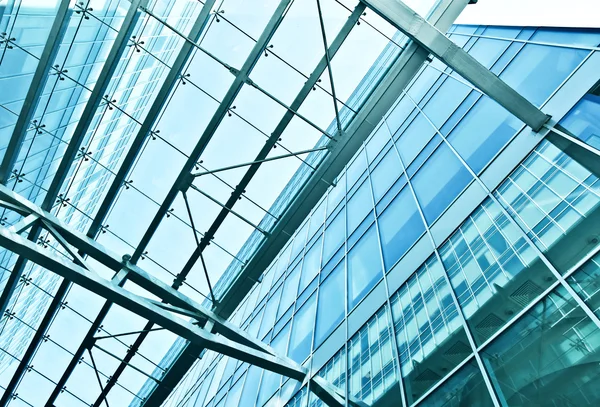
517, 277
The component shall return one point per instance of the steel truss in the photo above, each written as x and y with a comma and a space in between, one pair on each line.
210, 330
205, 329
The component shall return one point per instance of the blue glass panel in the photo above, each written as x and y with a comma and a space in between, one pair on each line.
385, 174
330, 310
445, 101
334, 236
358, 205
311, 265
377, 141
586, 38
439, 181
538, 70
487, 50
400, 226
399, 114
364, 268
414, 138
290, 287
483, 132
302, 330
502, 32
583, 120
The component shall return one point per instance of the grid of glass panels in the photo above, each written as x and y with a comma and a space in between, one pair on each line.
482, 282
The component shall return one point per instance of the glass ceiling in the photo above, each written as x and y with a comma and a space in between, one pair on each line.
163, 240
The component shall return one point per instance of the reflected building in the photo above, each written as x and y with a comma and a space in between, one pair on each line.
88, 32
455, 261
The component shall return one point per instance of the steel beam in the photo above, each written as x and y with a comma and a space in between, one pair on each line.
145, 309
161, 100
77, 272
84, 122
81, 129
38, 83
231, 342
279, 129
157, 106
436, 43
241, 77
377, 105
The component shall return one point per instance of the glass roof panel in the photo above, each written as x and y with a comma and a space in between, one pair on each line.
230, 35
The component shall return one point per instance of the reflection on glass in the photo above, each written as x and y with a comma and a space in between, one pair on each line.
493, 271
431, 339
586, 282
372, 367
364, 267
555, 199
400, 226
548, 357
439, 182
464, 388
311, 264
330, 310
302, 330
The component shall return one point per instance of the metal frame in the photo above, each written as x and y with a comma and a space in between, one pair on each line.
38, 83
220, 336
431, 39
427, 40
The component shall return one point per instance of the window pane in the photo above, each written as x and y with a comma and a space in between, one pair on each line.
331, 304
302, 330
538, 70
493, 270
290, 288
400, 226
556, 200
334, 236
549, 356
483, 132
358, 205
465, 388
385, 174
364, 268
311, 265
431, 339
414, 138
439, 181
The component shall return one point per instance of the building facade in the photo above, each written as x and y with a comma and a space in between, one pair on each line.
454, 262
86, 38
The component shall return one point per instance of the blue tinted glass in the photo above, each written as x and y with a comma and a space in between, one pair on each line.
400, 226
587, 38
502, 32
538, 70
414, 138
356, 168
445, 101
385, 174
487, 51
399, 114
290, 287
358, 206
376, 143
302, 330
483, 132
311, 265
583, 120
364, 268
439, 181
334, 236
270, 314
423, 83
330, 310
